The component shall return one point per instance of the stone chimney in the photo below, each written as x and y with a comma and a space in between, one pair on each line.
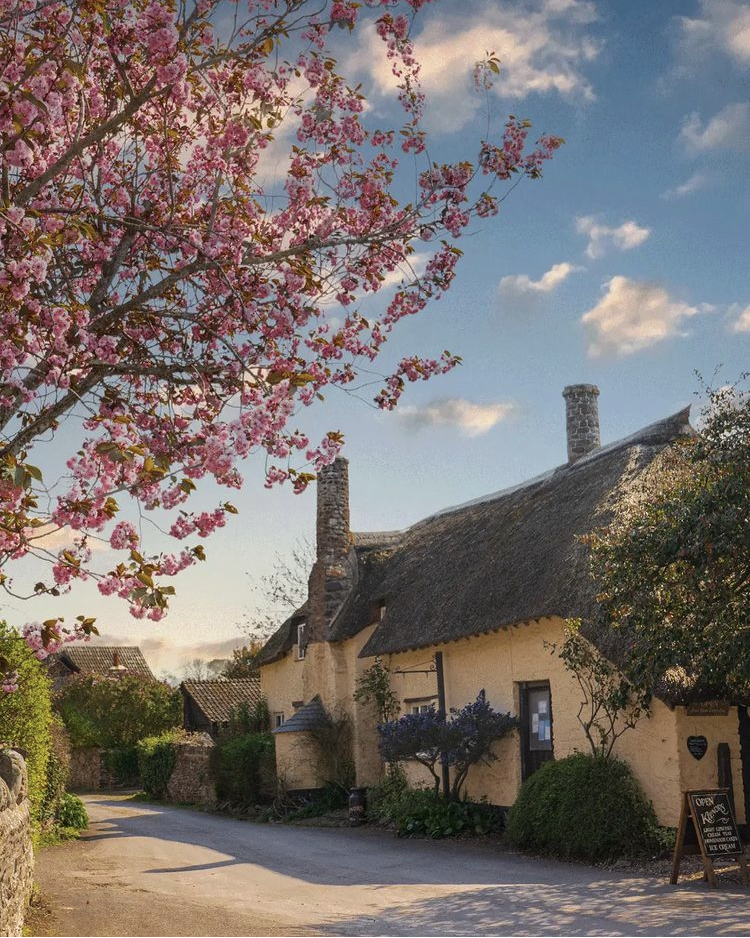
332, 576
581, 419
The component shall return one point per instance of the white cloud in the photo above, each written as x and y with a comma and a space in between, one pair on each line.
727, 130
518, 285
723, 26
695, 182
742, 322
471, 419
54, 538
541, 46
633, 315
625, 237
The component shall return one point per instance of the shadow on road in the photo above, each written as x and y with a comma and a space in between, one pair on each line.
630, 908
483, 890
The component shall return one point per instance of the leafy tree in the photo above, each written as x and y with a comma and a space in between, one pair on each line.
154, 289
115, 713
26, 716
465, 740
673, 568
243, 663
611, 704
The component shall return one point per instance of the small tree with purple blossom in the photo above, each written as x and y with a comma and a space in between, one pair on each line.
465, 740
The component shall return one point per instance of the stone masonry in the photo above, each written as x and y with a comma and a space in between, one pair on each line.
581, 419
192, 781
16, 854
332, 574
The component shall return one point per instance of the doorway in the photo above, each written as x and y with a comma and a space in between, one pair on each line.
536, 726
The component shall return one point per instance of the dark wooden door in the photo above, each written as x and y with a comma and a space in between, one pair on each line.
536, 727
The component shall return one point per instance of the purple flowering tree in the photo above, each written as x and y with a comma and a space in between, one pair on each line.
464, 740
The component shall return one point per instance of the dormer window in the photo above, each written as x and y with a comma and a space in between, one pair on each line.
301, 647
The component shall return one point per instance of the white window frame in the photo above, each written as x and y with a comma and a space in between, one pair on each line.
301, 647
278, 719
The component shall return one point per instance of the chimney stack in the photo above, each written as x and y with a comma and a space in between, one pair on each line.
581, 419
331, 577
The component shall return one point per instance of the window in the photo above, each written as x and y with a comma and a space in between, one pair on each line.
301, 647
421, 704
278, 720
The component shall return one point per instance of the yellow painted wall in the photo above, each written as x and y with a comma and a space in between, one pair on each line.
498, 663
297, 761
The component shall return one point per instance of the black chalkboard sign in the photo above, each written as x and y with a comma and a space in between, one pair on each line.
707, 826
714, 822
697, 746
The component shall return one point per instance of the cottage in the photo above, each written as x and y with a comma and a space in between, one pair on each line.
209, 705
101, 660
488, 585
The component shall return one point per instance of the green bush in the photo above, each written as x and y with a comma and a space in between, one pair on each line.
156, 760
447, 818
122, 765
245, 769
117, 713
585, 808
416, 811
26, 714
72, 813
332, 798
57, 775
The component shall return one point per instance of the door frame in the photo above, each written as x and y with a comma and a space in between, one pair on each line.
523, 714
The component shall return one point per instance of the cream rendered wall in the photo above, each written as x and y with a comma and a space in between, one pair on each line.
499, 662
703, 773
656, 749
281, 683
297, 762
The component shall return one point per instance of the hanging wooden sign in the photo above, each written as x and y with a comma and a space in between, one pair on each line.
706, 819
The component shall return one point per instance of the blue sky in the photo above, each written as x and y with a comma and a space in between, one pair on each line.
625, 266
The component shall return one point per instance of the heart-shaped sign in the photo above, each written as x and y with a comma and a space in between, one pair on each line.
697, 746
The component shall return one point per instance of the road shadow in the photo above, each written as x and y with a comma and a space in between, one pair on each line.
629, 908
485, 890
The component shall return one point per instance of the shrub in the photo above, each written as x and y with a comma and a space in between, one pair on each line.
583, 807
117, 713
57, 775
122, 765
156, 760
436, 818
331, 798
26, 715
72, 813
245, 769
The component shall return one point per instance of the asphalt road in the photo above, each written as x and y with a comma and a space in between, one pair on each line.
144, 869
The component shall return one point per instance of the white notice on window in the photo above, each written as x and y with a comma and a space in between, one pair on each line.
534, 722
542, 706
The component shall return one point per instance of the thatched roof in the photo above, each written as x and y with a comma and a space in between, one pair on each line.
507, 558
98, 659
282, 639
218, 699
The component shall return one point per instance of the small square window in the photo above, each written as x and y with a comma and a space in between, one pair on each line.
422, 706
278, 720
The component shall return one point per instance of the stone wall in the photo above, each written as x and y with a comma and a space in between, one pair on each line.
191, 781
16, 854
85, 770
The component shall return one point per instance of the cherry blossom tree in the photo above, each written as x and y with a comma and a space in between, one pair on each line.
155, 293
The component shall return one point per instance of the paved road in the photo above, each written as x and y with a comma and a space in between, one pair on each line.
151, 870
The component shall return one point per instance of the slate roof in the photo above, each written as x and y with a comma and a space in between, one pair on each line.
503, 559
98, 659
305, 719
217, 699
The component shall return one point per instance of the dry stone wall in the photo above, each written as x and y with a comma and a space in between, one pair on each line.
191, 781
16, 854
85, 770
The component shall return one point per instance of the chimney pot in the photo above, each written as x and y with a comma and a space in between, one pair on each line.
581, 419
